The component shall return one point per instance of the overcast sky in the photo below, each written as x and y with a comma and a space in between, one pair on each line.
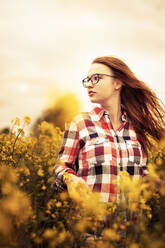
47, 46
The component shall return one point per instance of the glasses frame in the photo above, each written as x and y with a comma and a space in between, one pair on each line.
87, 79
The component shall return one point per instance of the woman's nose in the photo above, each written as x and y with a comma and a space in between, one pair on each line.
90, 85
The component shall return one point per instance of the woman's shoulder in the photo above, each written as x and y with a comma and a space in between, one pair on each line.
79, 121
92, 115
82, 116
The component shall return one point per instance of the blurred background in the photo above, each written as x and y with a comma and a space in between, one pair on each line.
46, 47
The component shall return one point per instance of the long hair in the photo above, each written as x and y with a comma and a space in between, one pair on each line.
143, 107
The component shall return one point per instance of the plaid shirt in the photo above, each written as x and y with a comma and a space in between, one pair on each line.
101, 152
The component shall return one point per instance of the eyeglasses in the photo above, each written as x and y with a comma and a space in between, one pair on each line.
94, 79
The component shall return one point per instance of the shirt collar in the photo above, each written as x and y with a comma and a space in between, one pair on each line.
97, 113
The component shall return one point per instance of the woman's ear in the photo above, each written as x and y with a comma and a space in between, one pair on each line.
118, 84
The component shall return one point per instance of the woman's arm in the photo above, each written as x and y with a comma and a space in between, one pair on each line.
67, 157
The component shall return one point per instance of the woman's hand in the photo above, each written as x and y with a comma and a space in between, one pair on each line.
77, 187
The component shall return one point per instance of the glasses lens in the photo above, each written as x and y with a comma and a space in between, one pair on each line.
95, 79
85, 82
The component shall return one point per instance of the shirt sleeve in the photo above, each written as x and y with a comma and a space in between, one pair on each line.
68, 152
144, 165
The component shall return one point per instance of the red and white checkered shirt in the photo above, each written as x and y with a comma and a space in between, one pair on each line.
99, 152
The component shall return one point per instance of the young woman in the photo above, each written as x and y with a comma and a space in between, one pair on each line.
113, 137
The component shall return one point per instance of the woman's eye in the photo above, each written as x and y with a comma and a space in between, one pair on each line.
96, 78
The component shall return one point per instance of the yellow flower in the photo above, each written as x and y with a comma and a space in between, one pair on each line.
43, 187
81, 225
64, 196
33, 235
38, 240
152, 171
17, 122
40, 172
66, 177
17, 204
26, 171
111, 235
159, 161
21, 184
27, 120
49, 233
7, 188
58, 204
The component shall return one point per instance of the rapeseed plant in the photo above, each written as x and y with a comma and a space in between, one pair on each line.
33, 214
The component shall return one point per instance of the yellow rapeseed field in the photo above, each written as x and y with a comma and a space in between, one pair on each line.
33, 214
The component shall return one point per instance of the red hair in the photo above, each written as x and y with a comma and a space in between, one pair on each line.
143, 107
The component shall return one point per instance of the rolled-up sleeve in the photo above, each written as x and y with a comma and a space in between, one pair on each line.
68, 152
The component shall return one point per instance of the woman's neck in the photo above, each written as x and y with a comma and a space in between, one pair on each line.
114, 111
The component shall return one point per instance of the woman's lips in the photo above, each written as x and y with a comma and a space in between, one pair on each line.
90, 93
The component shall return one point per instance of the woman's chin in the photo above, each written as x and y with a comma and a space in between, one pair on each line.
94, 100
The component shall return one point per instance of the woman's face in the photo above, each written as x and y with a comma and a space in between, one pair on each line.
107, 87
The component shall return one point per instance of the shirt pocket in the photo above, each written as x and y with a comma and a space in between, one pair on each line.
98, 150
134, 151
